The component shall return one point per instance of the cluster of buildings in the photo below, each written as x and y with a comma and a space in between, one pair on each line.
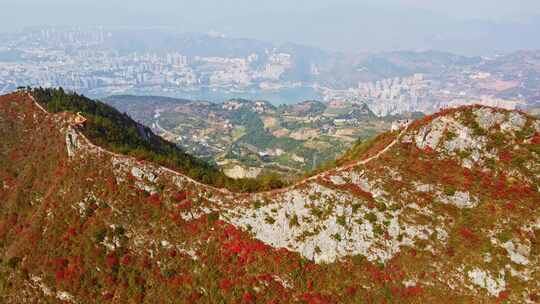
98, 62
421, 93
388, 96
83, 61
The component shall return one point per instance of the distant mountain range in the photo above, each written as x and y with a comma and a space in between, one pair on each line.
381, 26
468, 28
100, 62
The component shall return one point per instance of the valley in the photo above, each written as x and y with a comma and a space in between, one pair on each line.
247, 138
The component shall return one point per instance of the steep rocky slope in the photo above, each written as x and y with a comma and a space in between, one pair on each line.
445, 210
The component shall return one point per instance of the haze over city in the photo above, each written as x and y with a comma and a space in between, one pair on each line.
467, 27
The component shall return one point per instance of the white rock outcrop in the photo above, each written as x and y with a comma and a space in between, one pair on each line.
493, 285
517, 252
460, 199
487, 117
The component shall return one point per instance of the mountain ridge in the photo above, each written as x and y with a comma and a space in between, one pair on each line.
401, 227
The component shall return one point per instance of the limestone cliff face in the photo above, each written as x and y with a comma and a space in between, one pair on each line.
447, 210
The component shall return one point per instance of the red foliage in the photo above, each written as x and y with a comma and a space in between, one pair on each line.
501, 181
413, 291
448, 180
111, 185
147, 263
140, 280
194, 296
180, 280
467, 233
492, 208
487, 180
245, 250
71, 232
505, 156
357, 191
316, 298
126, 260
186, 205
108, 296
111, 260
510, 206
58, 263
351, 291
154, 200
14, 156
180, 196
60, 275
248, 298
503, 295
536, 139
225, 284
175, 217
468, 178
428, 150
3, 229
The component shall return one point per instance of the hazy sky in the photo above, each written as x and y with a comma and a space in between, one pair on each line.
373, 24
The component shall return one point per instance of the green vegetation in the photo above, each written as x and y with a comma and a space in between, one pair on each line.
360, 149
257, 135
118, 132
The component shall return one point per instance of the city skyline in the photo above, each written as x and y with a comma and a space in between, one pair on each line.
101, 62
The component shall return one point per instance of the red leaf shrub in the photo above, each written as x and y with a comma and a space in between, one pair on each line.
505, 156
413, 291
357, 191
225, 284
126, 260
60, 275
351, 291
503, 295
536, 139
428, 150
154, 200
186, 205
248, 298
467, 233
315, 298
180, 196
111, 260
510, 206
